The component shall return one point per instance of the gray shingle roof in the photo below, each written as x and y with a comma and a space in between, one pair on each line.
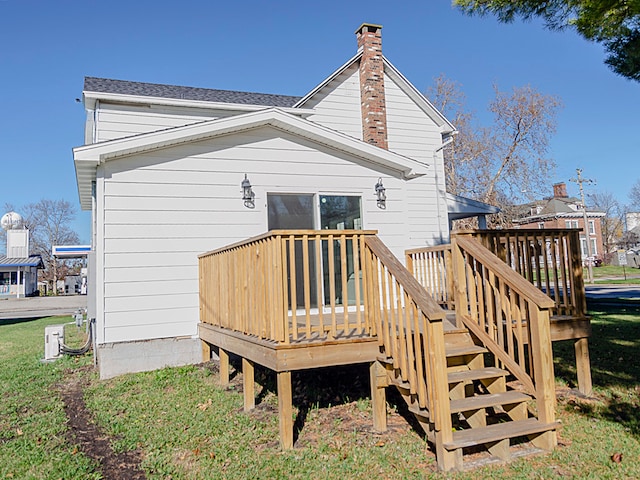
33, 261
107, 85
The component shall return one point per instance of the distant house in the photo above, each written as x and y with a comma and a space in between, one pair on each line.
170, 172
19, 269
632, 226
562, 211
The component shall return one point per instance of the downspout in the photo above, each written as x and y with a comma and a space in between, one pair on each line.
447, 140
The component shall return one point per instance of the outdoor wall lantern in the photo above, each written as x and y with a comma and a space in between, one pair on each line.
380, 194
247, 193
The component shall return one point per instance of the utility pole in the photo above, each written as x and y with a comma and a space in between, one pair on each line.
580, 181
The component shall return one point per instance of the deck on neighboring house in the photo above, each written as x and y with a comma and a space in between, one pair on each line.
292, 300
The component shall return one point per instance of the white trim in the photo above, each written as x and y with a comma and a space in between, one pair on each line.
90, 99
328, 80
88, 157
446, 127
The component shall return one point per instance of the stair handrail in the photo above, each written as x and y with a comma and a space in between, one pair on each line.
509, 315
410, 331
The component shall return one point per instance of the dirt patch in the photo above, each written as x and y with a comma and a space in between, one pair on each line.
92, 442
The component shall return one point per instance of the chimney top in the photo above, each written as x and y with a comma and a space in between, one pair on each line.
368, 27
560, 190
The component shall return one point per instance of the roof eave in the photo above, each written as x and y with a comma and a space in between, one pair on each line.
90, 98
329, 79
88, 157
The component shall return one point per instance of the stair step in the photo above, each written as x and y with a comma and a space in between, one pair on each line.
489, 400
465, 350
499, 431
476, 374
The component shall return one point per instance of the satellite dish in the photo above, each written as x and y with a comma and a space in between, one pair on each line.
11, 220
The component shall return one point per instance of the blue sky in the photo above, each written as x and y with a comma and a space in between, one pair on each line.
288, 47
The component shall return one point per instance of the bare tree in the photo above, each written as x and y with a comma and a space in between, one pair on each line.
613, 222
504, 163
49, 222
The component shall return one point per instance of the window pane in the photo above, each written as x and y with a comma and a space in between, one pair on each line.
340, 212
290, 211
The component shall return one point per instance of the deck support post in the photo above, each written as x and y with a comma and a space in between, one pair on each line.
224, 367
378, 380
248, 385
285, 410
206, 351
583, 366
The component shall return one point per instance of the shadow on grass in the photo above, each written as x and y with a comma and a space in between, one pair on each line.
324, 388
14, 321
614, 349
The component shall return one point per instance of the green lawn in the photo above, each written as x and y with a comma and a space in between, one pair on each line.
616, 275
187, 427
33, 442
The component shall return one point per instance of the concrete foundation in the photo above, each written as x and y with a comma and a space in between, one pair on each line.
142, 356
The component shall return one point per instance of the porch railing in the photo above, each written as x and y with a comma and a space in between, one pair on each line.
549, 259
410, 331
289, 286
431, 266
509, 315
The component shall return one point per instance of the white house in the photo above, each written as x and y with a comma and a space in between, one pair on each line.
162, 168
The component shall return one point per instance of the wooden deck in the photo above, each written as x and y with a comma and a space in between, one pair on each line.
295, 300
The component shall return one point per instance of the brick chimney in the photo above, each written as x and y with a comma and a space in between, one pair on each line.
560, 190
374, 113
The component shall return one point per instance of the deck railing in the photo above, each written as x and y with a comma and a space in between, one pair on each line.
292, 286
287, 286
410, 330
549, 259
509, 315
431, 266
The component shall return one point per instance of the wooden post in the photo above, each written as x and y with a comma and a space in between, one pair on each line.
378, 379
447, 460
285, 410
583, 366
248, 385
224, 367
459, 283
206, 351
448, 266
543, 373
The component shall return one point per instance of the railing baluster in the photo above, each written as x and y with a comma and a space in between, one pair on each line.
293, 287
307, 286
332, 285
344, 274
319, 299
401, 330
355, 246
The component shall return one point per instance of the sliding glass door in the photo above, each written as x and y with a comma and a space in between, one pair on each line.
331, 212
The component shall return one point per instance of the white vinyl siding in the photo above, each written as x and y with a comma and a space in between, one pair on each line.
161, 209
410, 131
337, 105
117, 121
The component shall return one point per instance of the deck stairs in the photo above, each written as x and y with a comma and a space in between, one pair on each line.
493, 421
